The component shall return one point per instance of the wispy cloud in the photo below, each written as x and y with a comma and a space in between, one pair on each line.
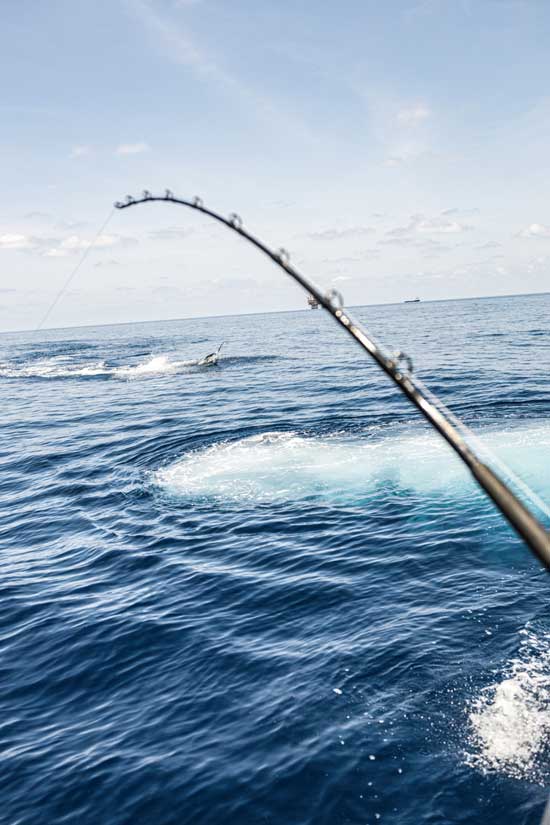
456, 210
40, 216
340, 234
80, 151
20, 242
535, 230
411, 115
393, 161
132, 148
428, 226
489, 245
173, 233
15, 241
75, 243
181, 46
443, 225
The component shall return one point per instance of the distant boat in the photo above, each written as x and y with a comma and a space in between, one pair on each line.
412, 301
313, 302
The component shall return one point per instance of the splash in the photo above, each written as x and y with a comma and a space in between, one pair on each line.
157, 365
510, 719
60, 367
53, 368
278, 466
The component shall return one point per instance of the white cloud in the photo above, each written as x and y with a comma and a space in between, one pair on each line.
173, 233
538, 264
489, 245
441, 225
429, 226
132, 148
340, 234
80, 151
392, 162
411, 115
14, 241
75, 243
56, 253
535, 230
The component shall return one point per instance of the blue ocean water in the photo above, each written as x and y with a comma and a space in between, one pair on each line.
264, 592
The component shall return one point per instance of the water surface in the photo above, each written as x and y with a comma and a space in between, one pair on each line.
264, 592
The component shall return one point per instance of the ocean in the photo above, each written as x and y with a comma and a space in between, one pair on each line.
264, 591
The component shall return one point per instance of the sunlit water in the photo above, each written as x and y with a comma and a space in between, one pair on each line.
263, 591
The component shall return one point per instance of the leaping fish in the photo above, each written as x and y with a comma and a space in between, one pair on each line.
211, 359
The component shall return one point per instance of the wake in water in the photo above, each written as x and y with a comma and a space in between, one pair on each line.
288, 466
61, 367
509, 721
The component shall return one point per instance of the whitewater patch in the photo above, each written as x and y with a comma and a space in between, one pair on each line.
278, 466
509, 721
61, 367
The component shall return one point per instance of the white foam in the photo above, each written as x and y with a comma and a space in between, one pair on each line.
157, 365
510, 719
276, 466
52, 368
63, 368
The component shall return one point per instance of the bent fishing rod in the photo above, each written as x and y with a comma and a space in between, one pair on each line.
399, 368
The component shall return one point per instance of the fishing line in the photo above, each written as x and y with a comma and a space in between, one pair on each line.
480, 445
67, 283
399, 368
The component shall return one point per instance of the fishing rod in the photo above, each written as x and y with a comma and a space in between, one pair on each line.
399, 368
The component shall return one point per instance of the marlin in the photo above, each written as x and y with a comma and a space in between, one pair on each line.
211, 359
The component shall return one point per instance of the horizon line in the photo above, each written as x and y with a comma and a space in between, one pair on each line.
269, 312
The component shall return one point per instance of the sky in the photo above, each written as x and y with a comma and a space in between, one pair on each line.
396, 149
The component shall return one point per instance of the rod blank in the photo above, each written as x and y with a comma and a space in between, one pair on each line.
526, 525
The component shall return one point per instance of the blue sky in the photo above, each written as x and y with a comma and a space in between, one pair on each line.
396, 149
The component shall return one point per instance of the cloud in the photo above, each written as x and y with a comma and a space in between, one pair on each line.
441, 225
535, 230
75, 243
411, 115
170, 234
55, 253
396, 240
80, 151
393, 162
340, 234
132, 148
457, 211
538, 264
15, 241
428, 226
70, 225
489, 245
18, 242
179, 46
41, 216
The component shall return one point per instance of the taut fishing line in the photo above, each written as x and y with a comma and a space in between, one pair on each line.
399, 368
83, 257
